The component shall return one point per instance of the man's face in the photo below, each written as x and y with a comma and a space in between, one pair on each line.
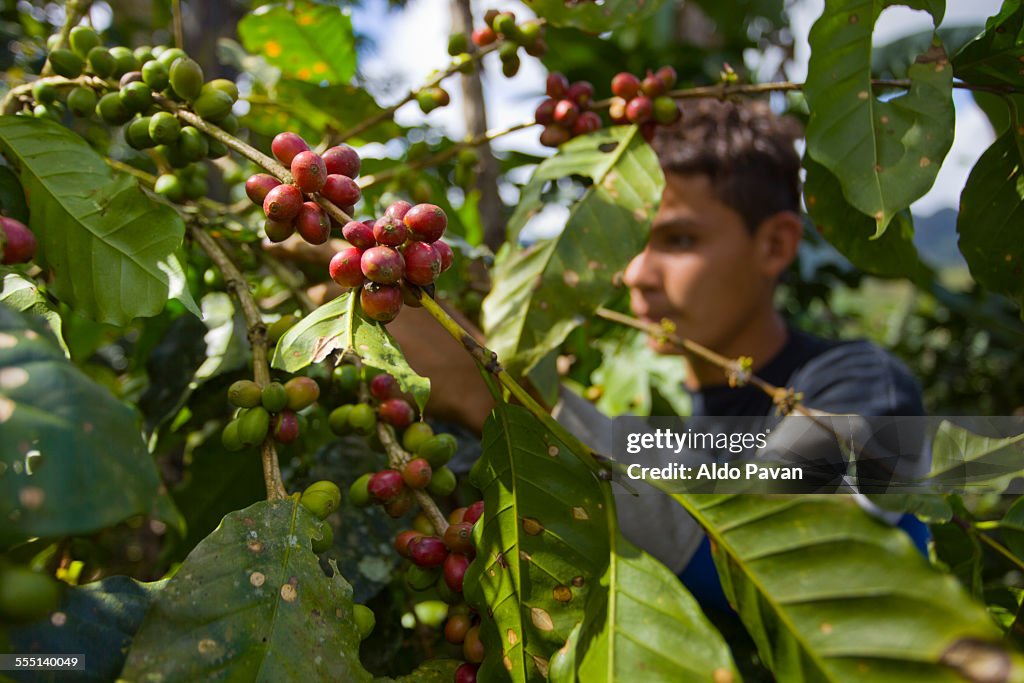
700, 268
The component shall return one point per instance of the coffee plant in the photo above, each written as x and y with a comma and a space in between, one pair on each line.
216, 462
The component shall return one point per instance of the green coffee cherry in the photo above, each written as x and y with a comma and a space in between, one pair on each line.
143, 54
66, 63
136, 96
187, 78
274, 397
195, 187
101, 62
26, 595
442, 483
324, 542
253, 425
362, 418
192, 144
216, 148
212, 104
169, 56
225, 86
169, 187
321, 498
124, 61
302, 392
359, 491
365, 620
47, 111
415, 434
155, 75
420, 578
347, 377
163, 127
83, 39
438, 449
111, 109
338, 420
44, 93
82, 101
245, 394
230, 438
136, 133
229, 124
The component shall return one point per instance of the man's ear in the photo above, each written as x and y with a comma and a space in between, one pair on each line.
777, 239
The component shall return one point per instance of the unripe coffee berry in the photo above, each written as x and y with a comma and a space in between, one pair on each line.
416, 434
389, 231
274, 397
342, 160
186, 78
309, 172
321, 498
359, 235
362, 418
421, 578
455, 628
383, 265
258, 185
455, 566
338, 421
472, 646
282, 203
397, 412
380, 302
399, 506
244, 394
426, 222
427, 551
422, 263
416, 473
340, 190
325, 540
164, 128
365, 620
286, 145
386, 485
302, 392
313, 223
443, 483
345, 268
359, 492
666, 111
438, 450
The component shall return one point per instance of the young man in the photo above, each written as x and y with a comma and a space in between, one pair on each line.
728, 227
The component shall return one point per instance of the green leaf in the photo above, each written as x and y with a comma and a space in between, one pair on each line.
73, 460
647, 621
828, 593
885, 154
852, 233
430, 671
251, 603
593, 17
1012, 528
543, 291
993, 58
338, 325
991, 217
631, 370
23, 295
100, 620
964, 460
110, 249
310, 42
542, 548
12, 197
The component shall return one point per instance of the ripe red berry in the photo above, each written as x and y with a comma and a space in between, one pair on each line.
279, 231
648, 130
385, 485
554, 135
652, 86
459, 537
557, 85
484, 36
313, 223
625, 85
445, 252
258, 185
667, 76
359, 235
455, 566
417, 472
381, 302
639, 109
566, 112
427, 551
286, 145
19, 245
345, 267
545, 113
474, 512
457, 515
588, 122
466, 673
283, 202
389, 231
580, 92
341, 190
286, 427
426, 222
384, 386
342, 160
398, 209
396, 412
399, 506
310, 172
383, 265
422, 263
403, 539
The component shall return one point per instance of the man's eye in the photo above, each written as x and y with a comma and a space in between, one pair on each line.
677, 242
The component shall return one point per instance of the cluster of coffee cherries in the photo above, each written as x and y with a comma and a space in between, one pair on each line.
566, 113
17, 242
644, 102
322, 498
403, 243
502, 26
291, 207
270, 409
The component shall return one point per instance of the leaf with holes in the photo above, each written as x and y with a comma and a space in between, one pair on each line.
991, 218
828, 593
339, 325
543, 291
994, 57
885, 154
594, 17
542, 548
964, 460
73, 459
251, 603
110, 249
307, 41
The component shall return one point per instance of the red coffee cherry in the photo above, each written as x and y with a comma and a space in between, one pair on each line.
639, 109
459, 537
359, 235
380, 302
286, 145
283, 202
652, 86
309, 172
400, 506
455, 566
445, 252
554, 135
427, 551
341, 190
342, 160
385, 485
566, 112
545, 113
313, 223
398, 209
396, 412
484, 36
455, 628
345, 268
457, 515
422, 263
417, 472
667, 76
588, 122
278, 231
384, 386
383, 265
557, 85
474, 512
426, 222
258, 185
648, 130
403, 539
625, 85
286, 427
389, 231
466, 673
19, 245
580, 92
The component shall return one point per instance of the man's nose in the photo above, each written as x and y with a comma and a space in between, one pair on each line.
641, 273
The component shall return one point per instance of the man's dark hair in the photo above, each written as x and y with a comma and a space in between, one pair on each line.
746, 151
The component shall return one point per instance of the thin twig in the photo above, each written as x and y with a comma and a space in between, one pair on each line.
992, 543
179, 28
7, 105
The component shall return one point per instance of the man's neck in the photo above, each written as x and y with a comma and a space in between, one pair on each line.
762, 340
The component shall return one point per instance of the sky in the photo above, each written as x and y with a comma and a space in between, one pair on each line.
424, 24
